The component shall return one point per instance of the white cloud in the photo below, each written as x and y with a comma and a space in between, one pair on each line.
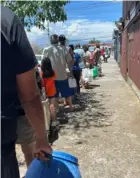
35, 34
81, 29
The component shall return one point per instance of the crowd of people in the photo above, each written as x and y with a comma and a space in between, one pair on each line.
22, 113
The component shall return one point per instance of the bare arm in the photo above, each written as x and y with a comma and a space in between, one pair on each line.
30, 99
28, 91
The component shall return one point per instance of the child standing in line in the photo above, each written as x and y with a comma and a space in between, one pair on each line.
48, 77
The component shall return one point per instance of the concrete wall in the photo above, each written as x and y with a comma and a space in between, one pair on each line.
130, 46
134, 53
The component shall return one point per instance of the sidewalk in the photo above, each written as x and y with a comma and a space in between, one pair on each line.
104, 132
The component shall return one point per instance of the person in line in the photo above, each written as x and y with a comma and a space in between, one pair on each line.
18, 82
76, 68
110, 51
60, 59
91, 62
81, 52
62, 43
25, 132
107, 54
97, 54
48, 82
62, 40
82, 63
103, 53
98, 61
89, 56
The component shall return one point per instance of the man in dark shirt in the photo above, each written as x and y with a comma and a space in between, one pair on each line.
18, 81
25, 132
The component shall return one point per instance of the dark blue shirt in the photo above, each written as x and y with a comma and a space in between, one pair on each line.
76, 63
17, 57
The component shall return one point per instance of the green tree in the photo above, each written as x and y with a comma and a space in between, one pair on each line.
34, 13
93, 41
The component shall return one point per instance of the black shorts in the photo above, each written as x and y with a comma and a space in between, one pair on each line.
9, 165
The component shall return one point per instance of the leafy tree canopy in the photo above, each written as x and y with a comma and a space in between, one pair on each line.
34, 13
93, 41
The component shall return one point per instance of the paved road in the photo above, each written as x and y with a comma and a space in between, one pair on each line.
104, 131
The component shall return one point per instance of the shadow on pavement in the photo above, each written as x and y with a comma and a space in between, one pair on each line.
94, 86
89, 112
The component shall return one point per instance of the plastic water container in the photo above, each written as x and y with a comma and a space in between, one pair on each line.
62, 165
95, 71
46, 109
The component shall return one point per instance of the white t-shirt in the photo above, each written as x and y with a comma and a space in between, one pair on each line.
60, 59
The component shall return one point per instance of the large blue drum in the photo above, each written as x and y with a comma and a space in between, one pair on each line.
62, 165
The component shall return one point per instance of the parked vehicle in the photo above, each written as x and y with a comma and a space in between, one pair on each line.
39, 58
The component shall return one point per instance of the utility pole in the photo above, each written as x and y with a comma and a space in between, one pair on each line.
48, 29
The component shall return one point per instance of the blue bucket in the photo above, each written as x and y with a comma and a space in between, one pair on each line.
62, 165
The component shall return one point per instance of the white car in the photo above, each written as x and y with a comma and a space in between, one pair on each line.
39, 58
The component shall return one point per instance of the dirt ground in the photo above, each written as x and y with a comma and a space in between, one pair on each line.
104, 130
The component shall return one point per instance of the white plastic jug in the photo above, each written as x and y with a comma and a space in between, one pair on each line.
46, 114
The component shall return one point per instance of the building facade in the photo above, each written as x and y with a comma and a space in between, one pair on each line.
117, 45
130, 43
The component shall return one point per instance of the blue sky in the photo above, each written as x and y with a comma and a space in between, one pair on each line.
85, 20
94, 10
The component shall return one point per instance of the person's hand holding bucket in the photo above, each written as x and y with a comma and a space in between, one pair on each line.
43, 149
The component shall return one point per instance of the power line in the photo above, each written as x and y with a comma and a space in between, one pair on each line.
92, 6
100, 3
89, 11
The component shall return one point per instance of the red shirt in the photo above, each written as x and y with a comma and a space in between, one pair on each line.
102, 51
49, 85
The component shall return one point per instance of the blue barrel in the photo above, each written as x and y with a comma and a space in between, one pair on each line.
62, 165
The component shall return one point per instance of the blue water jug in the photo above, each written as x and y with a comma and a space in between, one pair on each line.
62, 165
